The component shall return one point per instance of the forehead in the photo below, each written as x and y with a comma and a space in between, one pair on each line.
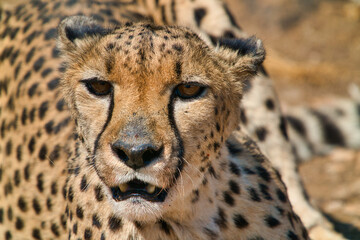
139, 50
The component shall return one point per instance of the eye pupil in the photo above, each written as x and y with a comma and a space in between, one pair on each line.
98, 87
187, 91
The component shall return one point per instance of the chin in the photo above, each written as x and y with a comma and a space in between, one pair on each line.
138, 209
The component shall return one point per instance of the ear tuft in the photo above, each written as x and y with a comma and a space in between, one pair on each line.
251, 47
72, 30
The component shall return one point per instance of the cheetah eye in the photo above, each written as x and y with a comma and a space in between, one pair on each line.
189, 90
97, 87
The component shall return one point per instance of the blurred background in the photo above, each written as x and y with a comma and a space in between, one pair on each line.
313, 46
313, 54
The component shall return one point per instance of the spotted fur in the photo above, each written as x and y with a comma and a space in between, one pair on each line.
51, 184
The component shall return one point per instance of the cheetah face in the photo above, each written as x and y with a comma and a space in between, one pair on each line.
153, 106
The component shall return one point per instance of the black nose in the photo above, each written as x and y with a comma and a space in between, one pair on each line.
136, 156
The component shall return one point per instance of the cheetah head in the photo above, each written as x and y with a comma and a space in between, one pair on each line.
153, 107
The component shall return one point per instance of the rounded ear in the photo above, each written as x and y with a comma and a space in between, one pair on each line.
244, 55
74, 31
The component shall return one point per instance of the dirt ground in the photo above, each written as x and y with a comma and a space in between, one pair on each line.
313, 51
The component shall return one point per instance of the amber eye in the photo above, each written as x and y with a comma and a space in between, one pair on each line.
189, 90
98, 87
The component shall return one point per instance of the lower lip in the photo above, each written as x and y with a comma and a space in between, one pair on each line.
117, 196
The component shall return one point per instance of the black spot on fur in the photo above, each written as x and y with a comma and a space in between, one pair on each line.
87, 234
55, 229
164, 226
8, 147
228, 198
1, 215
19, 153
17, 70
43, 109
50, 34
53, 83
281, 196
331, 133
19, 223
243, 117
49, 204
36, 206
177, 47
269, 103
70, 194
221, 219
54, 188
40, 182
31, 145
292, 236
96, 221
234, 169
38, 64
8, 235
212, 172
271, 221
32, 36
253, 194
234, 149
234, 187
32, 89
46, 72
199, 14
27, 172
60, 105
261, 133
10, 214
264, 189
283, 128
296, 124
75, 228
115, 223
79, 212
240, 221
263, 173
36, 234
99, 193
22, 204
83, 185
49, 126
43, 152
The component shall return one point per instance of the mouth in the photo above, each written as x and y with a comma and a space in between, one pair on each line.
137, 188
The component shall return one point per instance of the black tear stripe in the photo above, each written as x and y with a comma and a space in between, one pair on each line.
180, 164
110, 112
172, 122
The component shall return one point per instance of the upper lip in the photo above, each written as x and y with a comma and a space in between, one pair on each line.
138, 188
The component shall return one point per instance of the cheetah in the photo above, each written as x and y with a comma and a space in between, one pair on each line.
41, 177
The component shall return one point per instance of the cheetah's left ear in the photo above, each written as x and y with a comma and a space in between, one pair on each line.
243, 55
75, 32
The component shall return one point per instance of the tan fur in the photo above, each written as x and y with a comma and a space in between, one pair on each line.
50, 187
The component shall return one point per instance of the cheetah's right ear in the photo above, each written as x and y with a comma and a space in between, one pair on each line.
243, 55
75, 32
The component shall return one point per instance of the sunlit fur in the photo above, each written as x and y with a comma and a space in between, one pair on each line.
142, 91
